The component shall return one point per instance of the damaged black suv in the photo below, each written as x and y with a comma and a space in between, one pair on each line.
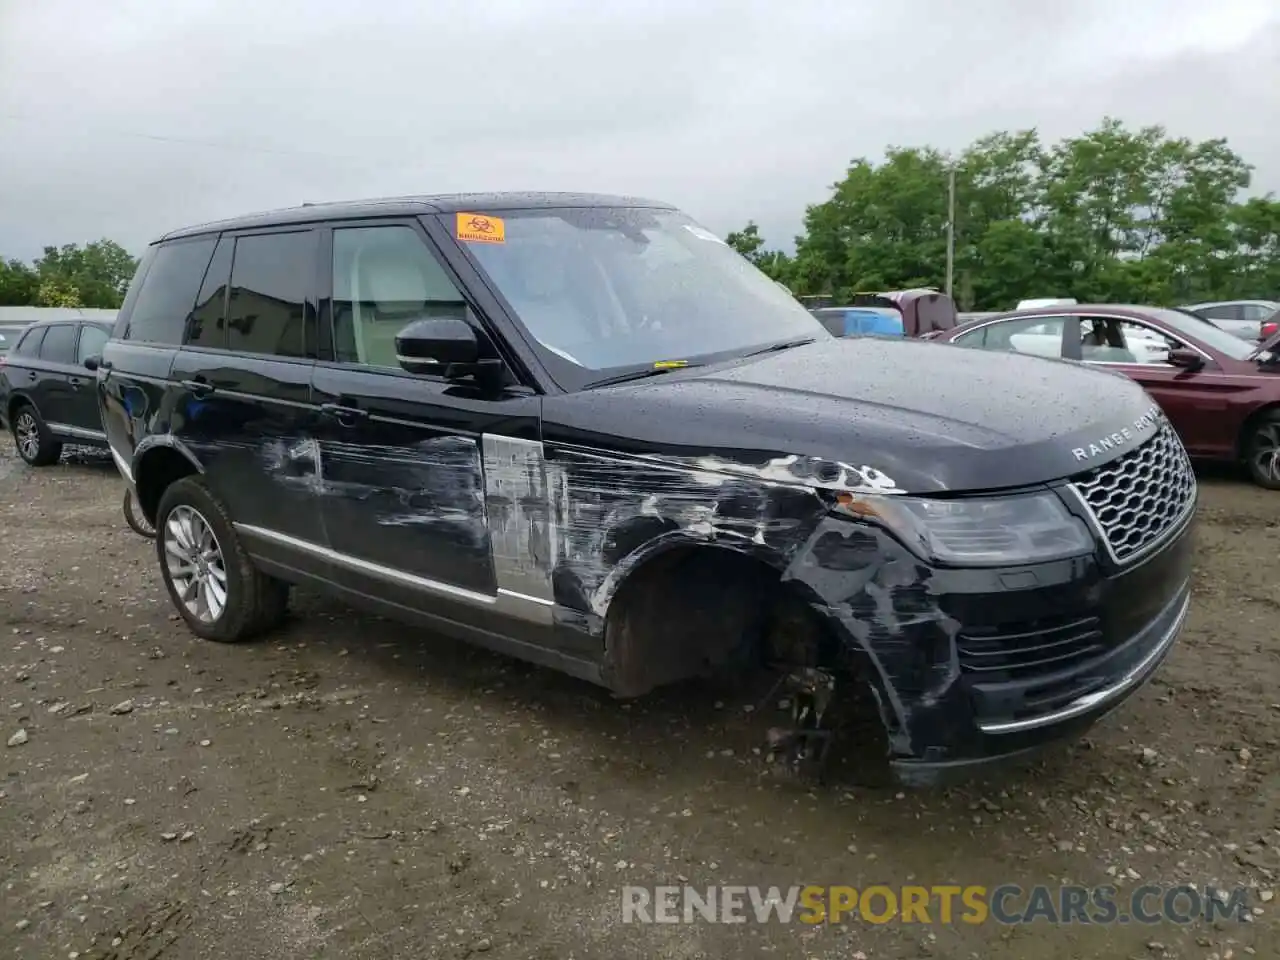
583, 431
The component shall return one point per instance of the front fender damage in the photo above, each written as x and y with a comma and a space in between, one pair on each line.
874, 598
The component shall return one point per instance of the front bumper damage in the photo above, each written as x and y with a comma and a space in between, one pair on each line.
973, 667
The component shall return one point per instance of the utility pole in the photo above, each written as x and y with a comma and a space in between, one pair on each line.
951, 225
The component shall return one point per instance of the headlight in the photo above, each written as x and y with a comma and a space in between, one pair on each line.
986, 531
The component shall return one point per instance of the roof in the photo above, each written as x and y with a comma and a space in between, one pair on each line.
414, 206
21, 316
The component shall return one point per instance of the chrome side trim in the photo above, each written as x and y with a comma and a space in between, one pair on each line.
509, 602
1092, 701
71, 431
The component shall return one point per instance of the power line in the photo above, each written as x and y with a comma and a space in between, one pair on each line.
209, 144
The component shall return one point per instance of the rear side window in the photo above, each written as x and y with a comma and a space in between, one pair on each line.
59, 344
207, 326
270, 277
92, 340
29, 345
168, 292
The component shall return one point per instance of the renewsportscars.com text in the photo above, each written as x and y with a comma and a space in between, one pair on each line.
939, 904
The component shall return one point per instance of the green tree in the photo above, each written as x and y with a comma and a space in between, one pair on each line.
749, 243
18, 284
1113, 214
100, 271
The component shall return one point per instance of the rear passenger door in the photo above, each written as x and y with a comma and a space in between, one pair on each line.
59, 381
242, 383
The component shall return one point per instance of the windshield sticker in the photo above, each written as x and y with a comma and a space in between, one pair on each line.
669, 364
481, 228
702, 234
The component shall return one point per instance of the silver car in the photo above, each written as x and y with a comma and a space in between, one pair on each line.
1240, 317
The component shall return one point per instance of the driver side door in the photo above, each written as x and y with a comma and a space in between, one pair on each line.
402, 471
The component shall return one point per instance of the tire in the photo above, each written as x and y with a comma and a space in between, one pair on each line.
1262, 451
36, 445
134, 516
252, 602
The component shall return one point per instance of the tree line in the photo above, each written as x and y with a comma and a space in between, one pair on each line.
1114, 215
95, 275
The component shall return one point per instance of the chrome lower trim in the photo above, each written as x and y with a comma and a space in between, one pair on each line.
1098, 698
71, 431
522, 606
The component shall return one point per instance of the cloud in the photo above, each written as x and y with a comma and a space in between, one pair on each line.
128, 119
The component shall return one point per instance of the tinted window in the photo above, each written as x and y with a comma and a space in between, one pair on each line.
206, 327
1038, 336
1220, 311
29, 345
270, 276
384, 278
59, 344
169, 291
92, 340
1257, 312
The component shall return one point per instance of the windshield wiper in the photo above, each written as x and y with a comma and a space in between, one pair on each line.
782, 345
638, 375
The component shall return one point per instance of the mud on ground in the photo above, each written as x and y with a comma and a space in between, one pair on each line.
352, 788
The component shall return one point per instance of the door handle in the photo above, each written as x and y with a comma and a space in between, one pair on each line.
346, 416
198, 388
32, 375
75, 383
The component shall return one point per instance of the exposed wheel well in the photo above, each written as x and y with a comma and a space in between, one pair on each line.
692, 610
1246, 428
158, 468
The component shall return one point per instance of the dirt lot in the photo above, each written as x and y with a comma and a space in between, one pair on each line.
353, 789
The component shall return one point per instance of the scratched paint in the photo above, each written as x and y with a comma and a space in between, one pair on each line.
573, 525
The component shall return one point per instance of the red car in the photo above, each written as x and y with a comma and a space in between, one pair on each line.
1221, 393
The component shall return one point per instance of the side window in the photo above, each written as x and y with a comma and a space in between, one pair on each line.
1256, 312
1115, 340
168, 292
92, 340
1221, 311
1037, 336
29, 345
270, 277
59, 344
383, 279
207, 325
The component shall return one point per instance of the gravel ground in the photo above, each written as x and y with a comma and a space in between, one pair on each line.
351, 788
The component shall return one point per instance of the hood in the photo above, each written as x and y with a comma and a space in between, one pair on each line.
923, 417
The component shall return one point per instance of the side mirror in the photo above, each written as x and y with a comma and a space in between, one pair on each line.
1185, 358
445, 346
92, 363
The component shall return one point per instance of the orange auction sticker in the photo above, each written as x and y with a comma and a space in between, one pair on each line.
481, 228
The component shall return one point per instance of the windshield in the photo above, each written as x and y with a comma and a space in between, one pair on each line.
602, 288
1206, 332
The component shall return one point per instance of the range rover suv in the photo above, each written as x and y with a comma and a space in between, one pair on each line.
583, 431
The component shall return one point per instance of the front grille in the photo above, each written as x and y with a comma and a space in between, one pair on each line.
1025, 650
1138, 498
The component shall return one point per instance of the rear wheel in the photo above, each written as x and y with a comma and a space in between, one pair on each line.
210, 578
1262, 451
36, 444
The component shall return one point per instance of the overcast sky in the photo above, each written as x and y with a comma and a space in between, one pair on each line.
125, 118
